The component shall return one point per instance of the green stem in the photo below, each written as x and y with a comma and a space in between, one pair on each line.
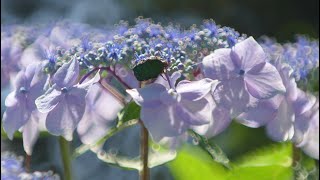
144, 151
66, 158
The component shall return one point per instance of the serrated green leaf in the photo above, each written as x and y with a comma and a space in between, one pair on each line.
213, 149
129, 112
271, 162
193, 163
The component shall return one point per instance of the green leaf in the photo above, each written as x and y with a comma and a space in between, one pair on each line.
272, 162
129, 112
211, 148
193, 163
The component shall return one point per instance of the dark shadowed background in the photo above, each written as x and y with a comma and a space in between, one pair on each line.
277, 18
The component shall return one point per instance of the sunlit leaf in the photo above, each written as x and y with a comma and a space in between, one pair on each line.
271, 162
193, 163
213, 149
129, 112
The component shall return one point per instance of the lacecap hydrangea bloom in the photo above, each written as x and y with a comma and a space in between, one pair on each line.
196, 79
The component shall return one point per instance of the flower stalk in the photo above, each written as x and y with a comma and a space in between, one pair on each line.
66, 158
144, 151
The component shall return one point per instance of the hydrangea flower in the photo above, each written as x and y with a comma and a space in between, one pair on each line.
101, 110
65, 100
243, 72
310, 143
286, 116
21, 110
168, 110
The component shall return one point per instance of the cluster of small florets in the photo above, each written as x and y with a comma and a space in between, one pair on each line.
12, 168
182, 48
302, 55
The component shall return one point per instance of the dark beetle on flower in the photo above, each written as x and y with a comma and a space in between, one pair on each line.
149, 68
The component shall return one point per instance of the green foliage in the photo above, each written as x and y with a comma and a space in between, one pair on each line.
193, 163
271, 162
129, 112
211, 148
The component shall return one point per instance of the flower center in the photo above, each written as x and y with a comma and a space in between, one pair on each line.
64, 90
241, 72
23, 90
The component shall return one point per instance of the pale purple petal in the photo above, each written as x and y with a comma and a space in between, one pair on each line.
20, 80
67, 74
161, 122
15, 117
303, 102
87, 84
221, 120
11, 99
303, 121
127, 76
49, 100
148, 96
194, 112
219, 65
89, 131
64, 118
265, 111
265, 82
312, 143
281, 128
195, 90
101, 111
248, 53
30, 134
232, 95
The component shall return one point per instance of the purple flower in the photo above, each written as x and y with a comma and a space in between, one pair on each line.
310, 143
169, 110
21, 110
100, 112
243, 72
11, 51
65, 100
286, 116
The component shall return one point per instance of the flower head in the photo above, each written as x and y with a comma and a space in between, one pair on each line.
168, 110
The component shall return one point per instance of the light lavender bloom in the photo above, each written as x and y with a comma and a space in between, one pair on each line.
286, 116
11, 50
21, 111
101, 110
169, 110
243, 72
310, 143
65, 100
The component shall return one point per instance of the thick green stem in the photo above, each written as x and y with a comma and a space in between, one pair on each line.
144, 151
66, 158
